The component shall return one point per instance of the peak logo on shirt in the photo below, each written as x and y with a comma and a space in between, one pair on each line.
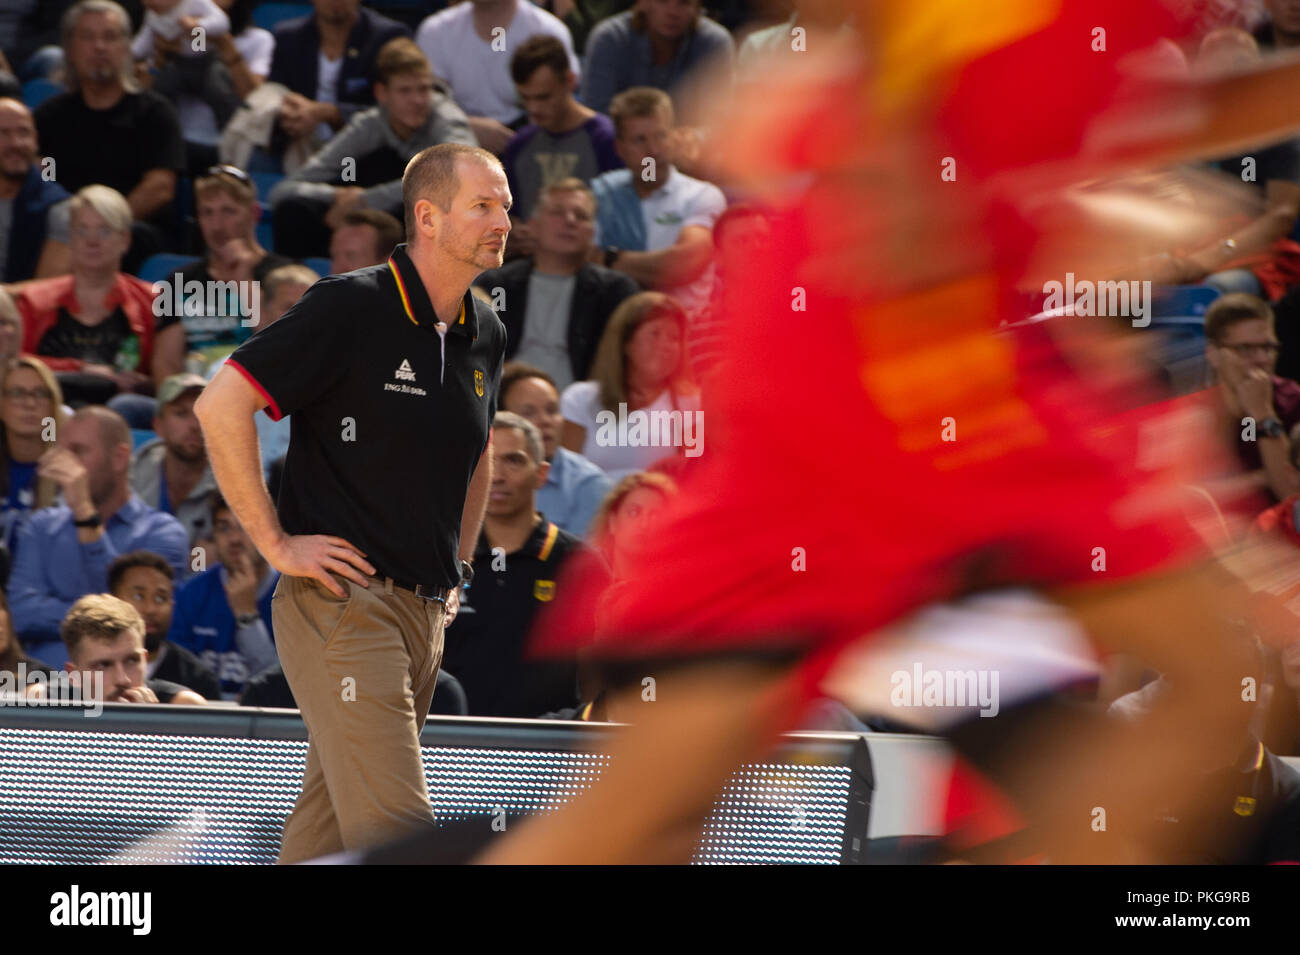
478, 382
406, 375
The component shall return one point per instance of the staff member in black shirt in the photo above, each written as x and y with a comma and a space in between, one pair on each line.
391, 376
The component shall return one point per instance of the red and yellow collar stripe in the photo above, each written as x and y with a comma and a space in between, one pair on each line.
401, 290
552, 532
406, 298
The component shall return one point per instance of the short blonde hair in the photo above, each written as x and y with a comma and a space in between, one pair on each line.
109, 204
99, 617
598, 533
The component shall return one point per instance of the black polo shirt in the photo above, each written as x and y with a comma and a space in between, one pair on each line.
486, 646
388, 419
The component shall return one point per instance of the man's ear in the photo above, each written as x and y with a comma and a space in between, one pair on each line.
426, 218
381, 93
543, 470
122, 457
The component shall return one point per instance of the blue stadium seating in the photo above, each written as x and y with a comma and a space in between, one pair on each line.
264, 182
267, 15
162, 266
1182, 301
36, 92
319, 266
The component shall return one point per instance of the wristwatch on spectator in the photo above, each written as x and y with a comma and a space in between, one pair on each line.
466, 573
1272, 428
247, 619
611, 253
94, 520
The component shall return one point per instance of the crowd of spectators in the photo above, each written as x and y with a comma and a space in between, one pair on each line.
175, 174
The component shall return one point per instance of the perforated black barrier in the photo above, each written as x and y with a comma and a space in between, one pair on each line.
186, 785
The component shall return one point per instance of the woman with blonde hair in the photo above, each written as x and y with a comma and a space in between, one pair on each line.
31, 418
640, 368
95, 325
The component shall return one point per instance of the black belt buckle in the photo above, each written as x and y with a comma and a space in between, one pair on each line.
429, 593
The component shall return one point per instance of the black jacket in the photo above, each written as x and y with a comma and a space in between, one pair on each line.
597, 291
297, 46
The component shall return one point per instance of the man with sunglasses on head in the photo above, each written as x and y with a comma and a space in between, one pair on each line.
1259, 407
225, 203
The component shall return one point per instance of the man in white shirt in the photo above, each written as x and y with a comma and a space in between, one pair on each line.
654, 222
470, 46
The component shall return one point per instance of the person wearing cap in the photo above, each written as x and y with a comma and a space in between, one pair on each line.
391, 374
171, 472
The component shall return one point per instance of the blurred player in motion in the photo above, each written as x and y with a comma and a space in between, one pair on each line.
914, 454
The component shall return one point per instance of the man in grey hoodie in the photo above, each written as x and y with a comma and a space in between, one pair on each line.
362, 166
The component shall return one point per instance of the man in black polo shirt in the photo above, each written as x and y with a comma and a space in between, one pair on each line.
519, 558
391, 376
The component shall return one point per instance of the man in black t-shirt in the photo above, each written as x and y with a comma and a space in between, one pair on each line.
390, 375
105, 131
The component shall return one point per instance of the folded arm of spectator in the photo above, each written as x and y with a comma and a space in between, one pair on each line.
256, 647
682, 262
155, 190
168, 352
317, 177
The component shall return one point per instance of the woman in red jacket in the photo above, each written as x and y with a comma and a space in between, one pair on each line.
94, 327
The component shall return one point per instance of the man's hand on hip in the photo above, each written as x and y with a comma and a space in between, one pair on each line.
318, 556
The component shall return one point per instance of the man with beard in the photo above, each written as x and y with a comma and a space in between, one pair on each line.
106, 131
171, 472
33, 219
144, 580
64, 552
374, 530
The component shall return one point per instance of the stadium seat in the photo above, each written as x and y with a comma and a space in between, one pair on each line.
318, 265
141, 436
1182, 301
264, 182
162, 266
1178, 312
36, 92
267, 15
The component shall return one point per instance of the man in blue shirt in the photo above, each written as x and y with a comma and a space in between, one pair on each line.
64, 552
224, 614
574, 486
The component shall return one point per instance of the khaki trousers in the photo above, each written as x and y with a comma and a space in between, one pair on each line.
362, 670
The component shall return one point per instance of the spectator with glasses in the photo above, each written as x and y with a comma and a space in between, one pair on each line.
1242, 349
94, 326
31, 415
